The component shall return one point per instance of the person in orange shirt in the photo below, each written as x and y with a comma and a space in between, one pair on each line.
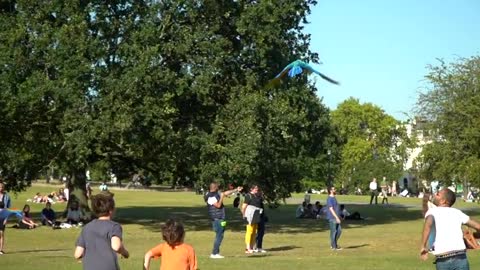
175, 254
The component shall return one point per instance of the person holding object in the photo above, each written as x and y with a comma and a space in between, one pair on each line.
450, 249
216, 211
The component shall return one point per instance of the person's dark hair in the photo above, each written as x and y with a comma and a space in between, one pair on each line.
329, 189
342, 206
2, 205
102, 204
173, 232
449, 196
24, 207
48, 203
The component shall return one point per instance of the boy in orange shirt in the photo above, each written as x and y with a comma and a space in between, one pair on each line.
176, 254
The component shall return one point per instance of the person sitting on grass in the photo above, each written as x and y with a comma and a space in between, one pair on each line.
74, 214
27, 221
300, 212
48, 215
174, 252
344, 214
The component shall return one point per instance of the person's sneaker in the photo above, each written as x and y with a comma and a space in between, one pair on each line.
1, 252
260, 250
249, 251
338, 248
216, 256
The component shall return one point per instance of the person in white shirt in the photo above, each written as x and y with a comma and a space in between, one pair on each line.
373, 190
450, 249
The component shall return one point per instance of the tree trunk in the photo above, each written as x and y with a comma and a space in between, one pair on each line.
77, 188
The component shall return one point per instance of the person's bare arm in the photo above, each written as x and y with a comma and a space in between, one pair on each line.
79, 252
473, 224
334, 214
146, 260
427, 227
118, 247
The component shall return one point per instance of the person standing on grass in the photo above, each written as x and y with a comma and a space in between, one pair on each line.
176, 255
4, 214
373, 190
450, 250
333, 217
101, 239
4, 197
261, 226
252, 211
216, 211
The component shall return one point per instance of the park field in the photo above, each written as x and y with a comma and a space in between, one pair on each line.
388, 239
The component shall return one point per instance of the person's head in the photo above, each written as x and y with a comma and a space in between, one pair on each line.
103, 205
374, 179
332, 191
342, 206
173, 232
26, 208
213, 187
304, 204
74, 205
445, 197
38, 194
254, 189
48, 205
317, 203
2, 187
2, 205
309, 206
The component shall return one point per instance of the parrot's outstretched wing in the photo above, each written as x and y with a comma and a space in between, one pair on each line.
311, 69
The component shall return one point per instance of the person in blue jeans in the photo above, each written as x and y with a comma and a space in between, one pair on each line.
216, 211
333, 217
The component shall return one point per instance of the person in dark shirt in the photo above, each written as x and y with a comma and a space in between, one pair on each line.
252, 208
216, 211
48, 215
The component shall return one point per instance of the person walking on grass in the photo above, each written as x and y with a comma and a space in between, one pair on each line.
216, 211
450, 250
373, 191
333, 217
176, 255
101, 240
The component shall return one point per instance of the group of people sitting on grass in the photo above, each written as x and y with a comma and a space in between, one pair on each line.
317, 211
74, 215
307, 210
53, 197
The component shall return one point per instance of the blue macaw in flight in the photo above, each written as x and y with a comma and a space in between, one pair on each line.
297, 67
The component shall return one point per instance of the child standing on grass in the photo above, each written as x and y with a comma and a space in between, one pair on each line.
101, 239
175, 254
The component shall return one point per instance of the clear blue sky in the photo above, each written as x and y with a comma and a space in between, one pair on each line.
379, 49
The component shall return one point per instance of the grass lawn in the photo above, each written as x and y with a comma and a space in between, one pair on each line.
389, 239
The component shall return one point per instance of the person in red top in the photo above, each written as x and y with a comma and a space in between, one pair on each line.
175, 254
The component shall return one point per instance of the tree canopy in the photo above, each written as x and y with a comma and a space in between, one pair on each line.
374, 144
172, 88
451, 107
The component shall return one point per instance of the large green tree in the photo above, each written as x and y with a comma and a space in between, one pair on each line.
148, 85
374, 143
451, 107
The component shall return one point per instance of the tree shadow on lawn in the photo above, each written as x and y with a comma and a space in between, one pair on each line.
281, 220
